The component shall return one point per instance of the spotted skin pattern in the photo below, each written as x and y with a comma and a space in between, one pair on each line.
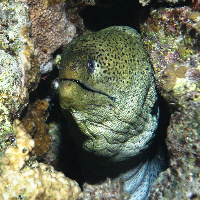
107, 85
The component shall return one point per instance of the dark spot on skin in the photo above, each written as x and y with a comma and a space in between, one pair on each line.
194, 147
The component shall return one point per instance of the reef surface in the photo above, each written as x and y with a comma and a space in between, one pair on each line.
172, 39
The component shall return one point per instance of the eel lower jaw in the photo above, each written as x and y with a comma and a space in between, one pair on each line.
87, 87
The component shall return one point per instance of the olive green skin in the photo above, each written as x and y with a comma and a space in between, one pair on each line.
116, 114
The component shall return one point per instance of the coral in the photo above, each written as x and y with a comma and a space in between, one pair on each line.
33, 181
19, 71
34, 123
107, 190
172, 39
50, 30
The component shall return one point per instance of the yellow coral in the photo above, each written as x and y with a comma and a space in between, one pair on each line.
39, 181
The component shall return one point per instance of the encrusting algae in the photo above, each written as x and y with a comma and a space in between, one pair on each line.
33, 181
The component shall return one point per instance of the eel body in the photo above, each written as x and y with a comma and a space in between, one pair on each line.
107, 85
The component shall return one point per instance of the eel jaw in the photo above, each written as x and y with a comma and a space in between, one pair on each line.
87, 87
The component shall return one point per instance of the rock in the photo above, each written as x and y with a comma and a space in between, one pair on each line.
171, 36
50, 30
20, 73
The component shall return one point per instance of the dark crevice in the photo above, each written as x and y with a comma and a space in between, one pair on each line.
122, 13
126, 13
161, 132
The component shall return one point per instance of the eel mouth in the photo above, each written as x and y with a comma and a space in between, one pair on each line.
87, 87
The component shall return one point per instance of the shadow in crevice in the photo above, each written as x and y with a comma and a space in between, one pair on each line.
68, 160
125, 13
122, 13
161, 132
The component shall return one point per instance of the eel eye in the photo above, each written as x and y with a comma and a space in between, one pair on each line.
91, 66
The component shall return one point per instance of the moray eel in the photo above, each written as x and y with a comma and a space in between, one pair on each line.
107, 84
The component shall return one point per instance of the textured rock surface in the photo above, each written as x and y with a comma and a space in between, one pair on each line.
19, 70
182, 179
172, 38
50, 30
